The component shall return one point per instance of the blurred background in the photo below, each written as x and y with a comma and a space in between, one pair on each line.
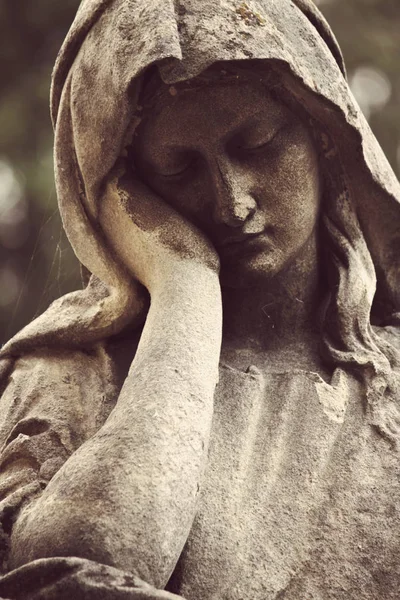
36, 263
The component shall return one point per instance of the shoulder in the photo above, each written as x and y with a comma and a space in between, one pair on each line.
48, 365
75, 387
105, 363
58, 377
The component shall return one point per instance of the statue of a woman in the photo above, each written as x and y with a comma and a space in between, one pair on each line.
216, 416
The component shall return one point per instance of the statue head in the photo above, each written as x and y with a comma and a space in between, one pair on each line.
225, 151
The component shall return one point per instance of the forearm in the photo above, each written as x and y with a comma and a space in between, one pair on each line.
181, 339
142, 470
165, 408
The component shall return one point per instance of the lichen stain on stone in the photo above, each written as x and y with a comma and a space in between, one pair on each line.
250, 17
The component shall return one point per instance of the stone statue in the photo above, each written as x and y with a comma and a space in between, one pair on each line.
216, 415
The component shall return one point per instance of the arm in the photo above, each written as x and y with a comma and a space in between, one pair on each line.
127, 497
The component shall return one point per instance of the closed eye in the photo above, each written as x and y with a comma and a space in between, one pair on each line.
249, 147
178, 168
175, 174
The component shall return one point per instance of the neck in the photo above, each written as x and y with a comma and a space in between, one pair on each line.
276, 315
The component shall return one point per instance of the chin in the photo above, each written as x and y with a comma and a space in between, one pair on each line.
250, 271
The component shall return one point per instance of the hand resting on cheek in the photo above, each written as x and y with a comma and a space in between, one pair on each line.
151, 238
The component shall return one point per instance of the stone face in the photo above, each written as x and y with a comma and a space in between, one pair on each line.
216, 415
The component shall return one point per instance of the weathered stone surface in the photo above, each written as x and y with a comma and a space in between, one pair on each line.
217, 413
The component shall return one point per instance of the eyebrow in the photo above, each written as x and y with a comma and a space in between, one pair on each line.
252, 120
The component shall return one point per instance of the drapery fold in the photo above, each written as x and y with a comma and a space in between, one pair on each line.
64, 578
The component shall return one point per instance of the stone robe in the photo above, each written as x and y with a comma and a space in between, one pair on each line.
299, 499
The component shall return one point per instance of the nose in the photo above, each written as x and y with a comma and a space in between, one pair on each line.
232, 198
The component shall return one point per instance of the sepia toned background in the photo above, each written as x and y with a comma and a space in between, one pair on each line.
36, 263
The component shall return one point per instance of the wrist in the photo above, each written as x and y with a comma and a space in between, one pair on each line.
183, 278
186, 307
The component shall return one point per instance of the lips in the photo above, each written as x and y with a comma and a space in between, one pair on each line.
243, 245
242, 239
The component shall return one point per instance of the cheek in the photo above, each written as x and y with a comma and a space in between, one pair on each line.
291, 193
187, 199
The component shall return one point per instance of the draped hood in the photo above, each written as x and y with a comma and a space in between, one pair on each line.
95, 90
